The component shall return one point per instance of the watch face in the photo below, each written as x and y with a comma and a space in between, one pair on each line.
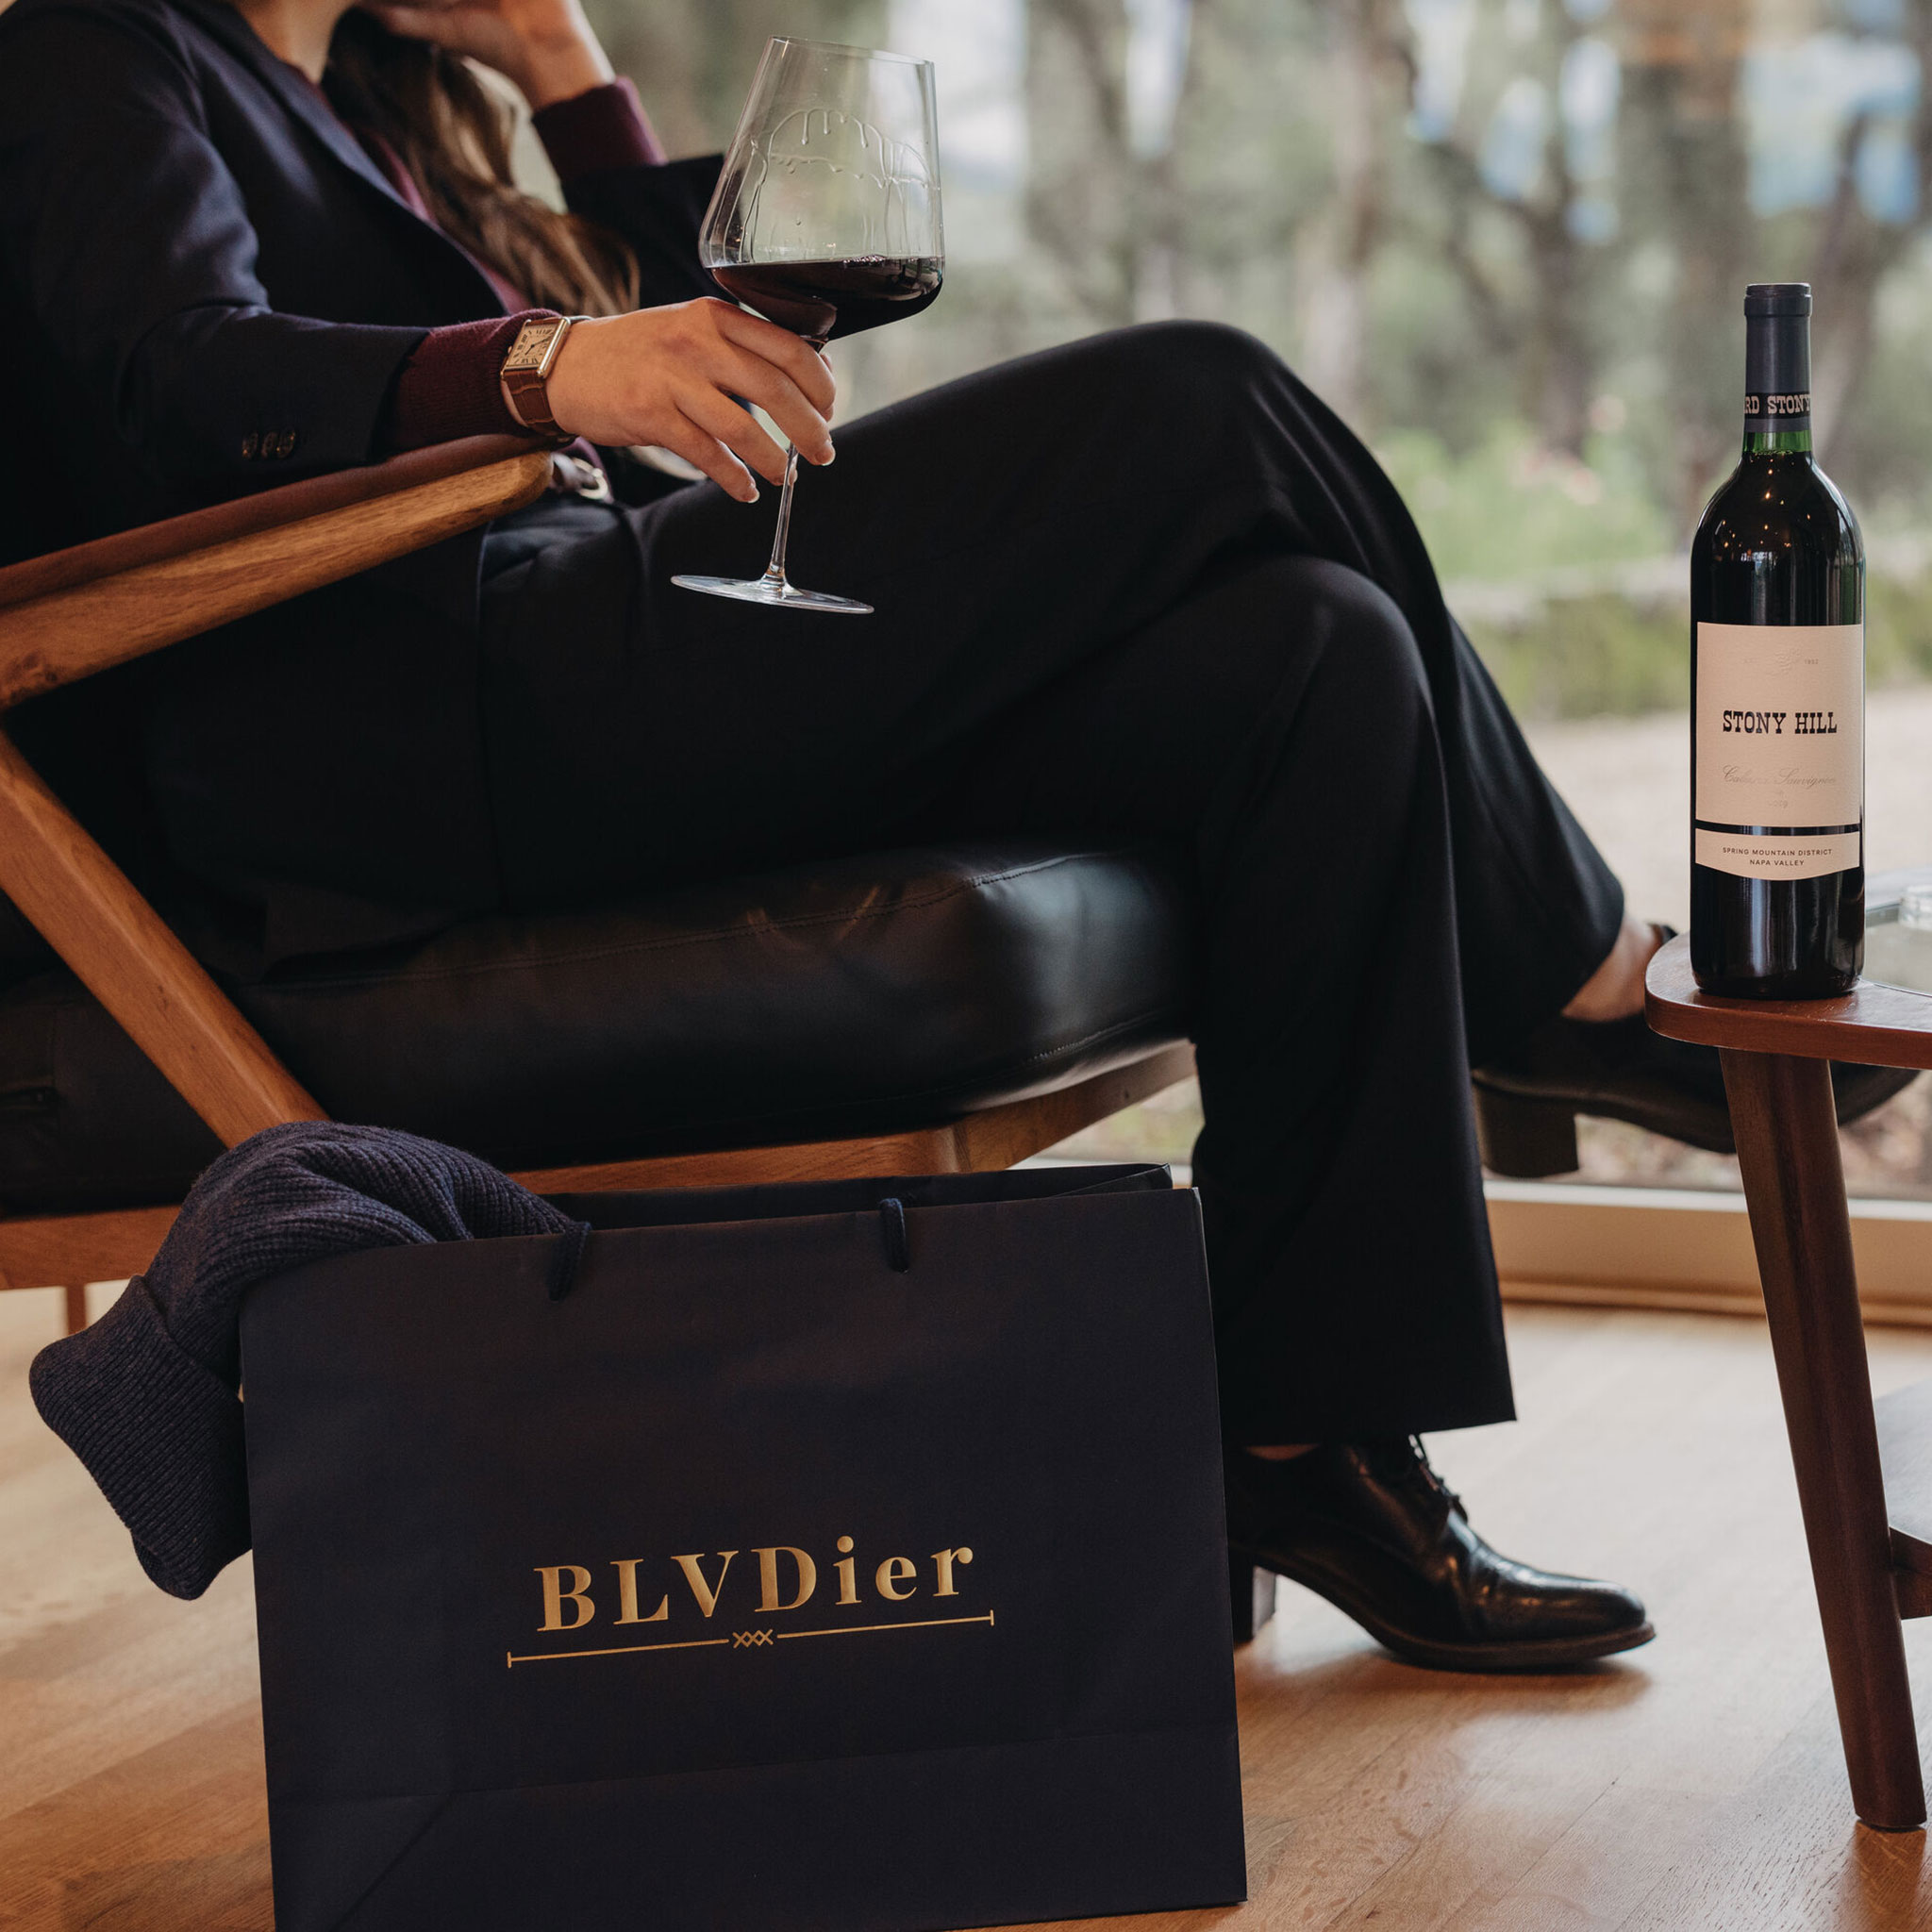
526, 352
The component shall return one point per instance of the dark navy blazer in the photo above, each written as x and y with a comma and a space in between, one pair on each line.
199, 262
198, 258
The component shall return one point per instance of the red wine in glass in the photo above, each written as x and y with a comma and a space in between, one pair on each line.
823, 300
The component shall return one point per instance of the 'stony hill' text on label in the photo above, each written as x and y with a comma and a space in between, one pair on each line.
1771, 723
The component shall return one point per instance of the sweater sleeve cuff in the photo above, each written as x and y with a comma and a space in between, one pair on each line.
597, 130
451, 385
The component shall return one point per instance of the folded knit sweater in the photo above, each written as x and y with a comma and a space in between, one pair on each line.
149, 1396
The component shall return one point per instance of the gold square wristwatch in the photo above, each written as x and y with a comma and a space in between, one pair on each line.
527, 370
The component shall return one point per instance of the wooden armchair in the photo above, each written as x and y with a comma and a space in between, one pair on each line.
1013, 1038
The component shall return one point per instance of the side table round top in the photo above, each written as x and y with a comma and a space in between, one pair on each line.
1873, 1024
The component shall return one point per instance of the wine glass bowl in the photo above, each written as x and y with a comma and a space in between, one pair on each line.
826, 221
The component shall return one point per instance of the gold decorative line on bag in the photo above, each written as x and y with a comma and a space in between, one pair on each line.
744, 1640
858, 1629
546, 1656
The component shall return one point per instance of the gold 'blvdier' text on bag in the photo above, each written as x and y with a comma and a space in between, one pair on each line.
843, 1555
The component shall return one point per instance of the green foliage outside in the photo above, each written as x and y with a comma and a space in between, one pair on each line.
1587, 657
1610, 655
1572, 585
1507, 508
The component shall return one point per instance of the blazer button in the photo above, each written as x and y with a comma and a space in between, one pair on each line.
251, 444
285, 444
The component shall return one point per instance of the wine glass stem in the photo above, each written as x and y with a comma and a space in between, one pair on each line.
775, 570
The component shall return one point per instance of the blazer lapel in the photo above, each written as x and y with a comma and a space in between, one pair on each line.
293, 90
305, 104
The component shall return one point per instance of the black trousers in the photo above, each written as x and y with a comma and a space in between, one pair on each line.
1143, 584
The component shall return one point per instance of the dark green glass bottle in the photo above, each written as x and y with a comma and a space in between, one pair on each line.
1777, 693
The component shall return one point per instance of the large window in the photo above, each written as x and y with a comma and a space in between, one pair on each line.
1507, 239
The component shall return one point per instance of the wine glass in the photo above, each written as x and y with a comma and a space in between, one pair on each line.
825, 220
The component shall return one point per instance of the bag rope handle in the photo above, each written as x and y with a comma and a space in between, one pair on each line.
893, 1225
565, 1260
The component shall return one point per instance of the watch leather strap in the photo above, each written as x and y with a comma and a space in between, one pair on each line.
527, 370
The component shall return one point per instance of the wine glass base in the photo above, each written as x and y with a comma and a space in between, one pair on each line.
782, 596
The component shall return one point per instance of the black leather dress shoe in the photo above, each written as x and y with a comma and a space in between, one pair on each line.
1526, 1101
1372, 1527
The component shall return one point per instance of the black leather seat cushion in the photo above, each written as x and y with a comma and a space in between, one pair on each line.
851, 996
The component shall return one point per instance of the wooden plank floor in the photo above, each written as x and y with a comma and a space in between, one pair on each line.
1696, 1785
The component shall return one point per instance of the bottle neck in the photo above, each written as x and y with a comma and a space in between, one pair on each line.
1777, 385
1777, 443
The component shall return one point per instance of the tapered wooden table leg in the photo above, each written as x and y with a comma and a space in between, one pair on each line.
1794, 1185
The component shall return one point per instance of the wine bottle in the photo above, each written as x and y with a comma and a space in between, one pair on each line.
1777, 693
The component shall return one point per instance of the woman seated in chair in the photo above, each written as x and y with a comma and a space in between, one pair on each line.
1143, 585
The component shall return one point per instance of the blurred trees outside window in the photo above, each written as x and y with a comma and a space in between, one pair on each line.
1476, 226
1507, 240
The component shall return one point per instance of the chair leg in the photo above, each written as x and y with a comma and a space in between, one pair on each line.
1794, 1187
76, 1307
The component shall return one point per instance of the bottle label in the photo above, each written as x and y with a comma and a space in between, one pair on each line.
1780, 742
1765, 412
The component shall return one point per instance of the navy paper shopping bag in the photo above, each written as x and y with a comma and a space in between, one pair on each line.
843, 1556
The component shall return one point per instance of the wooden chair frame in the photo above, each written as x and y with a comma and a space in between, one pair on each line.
65, 616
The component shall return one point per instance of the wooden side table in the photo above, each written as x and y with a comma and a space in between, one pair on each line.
1864, 1478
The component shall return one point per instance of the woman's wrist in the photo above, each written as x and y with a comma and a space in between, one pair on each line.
558, 56
552, 73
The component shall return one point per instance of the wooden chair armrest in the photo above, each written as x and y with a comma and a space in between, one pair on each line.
65, 616
88, 911
70, 614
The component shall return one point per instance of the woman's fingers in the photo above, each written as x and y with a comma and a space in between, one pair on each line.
674, 375
457, 28
790, 353
702, 451
762, 382
737, 429
412, 23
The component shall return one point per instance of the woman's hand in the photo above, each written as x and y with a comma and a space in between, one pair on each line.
544, 46
667, 376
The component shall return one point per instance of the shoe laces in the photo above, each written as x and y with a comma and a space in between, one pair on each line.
1405, 1459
